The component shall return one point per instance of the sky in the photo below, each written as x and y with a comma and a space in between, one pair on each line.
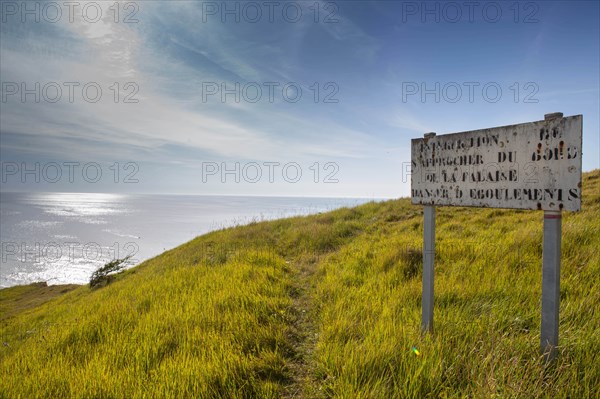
284, 98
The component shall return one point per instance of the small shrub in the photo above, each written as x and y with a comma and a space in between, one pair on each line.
102, 276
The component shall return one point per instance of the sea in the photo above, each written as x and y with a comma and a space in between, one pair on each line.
61, 238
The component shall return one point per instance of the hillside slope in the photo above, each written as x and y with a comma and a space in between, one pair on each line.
324, 306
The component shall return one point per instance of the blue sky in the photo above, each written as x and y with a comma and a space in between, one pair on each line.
360, 68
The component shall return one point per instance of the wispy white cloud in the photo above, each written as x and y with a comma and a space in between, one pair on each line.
117, 52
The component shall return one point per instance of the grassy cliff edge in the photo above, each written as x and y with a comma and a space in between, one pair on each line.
321, 306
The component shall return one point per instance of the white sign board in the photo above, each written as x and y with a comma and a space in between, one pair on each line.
534, 165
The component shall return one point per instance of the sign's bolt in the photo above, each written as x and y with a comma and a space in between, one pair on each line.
553, 115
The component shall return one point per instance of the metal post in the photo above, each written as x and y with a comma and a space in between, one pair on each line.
551, 283
428, 257
551, 277
428, 261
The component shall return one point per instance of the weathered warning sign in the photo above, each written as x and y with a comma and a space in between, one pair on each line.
535, 165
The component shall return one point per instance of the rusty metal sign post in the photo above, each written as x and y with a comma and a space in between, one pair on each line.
535, 165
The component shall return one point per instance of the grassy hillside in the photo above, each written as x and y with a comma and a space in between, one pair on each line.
323, 306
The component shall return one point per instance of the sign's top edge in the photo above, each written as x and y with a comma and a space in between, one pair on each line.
497, 127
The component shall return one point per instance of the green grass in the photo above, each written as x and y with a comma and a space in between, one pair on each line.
322, 306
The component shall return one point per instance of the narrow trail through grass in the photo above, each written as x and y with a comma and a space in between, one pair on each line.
303, 333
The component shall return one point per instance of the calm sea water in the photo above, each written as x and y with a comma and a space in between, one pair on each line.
63, 237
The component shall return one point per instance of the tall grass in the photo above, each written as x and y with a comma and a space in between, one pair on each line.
325, 306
